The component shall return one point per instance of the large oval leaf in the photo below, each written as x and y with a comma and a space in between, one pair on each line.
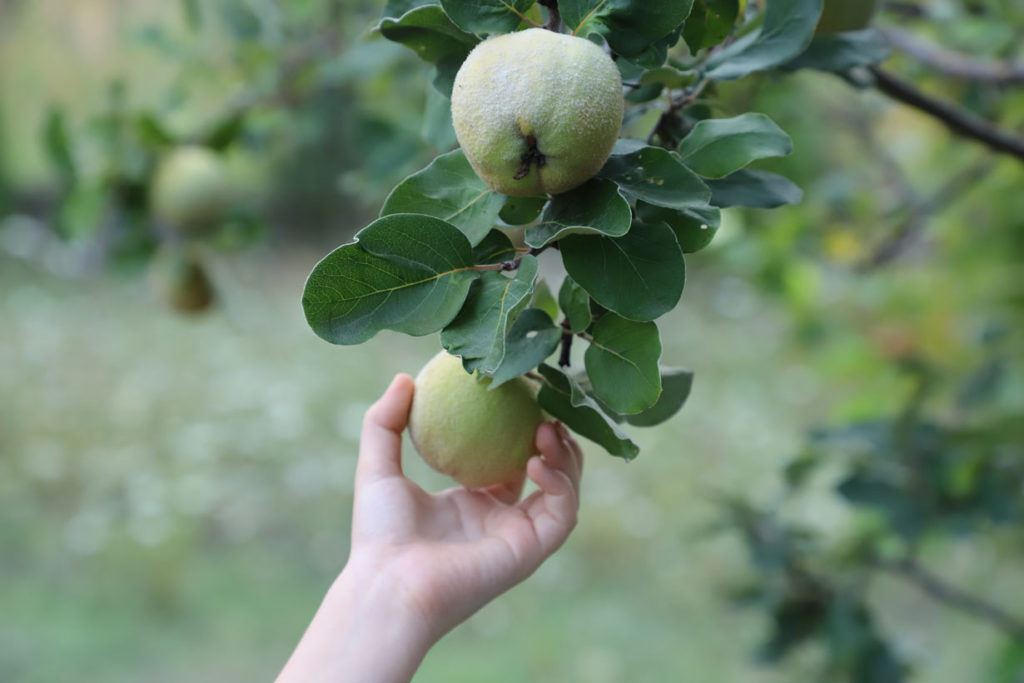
448, 189
656, 176
594, 207
622, 364
487, 16
754, 189
630, 26
717, 147
640, 276
408, 273
428, 32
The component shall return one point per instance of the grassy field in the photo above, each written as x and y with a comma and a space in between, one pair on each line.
176, 493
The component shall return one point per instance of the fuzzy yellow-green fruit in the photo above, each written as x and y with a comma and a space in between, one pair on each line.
845, 15
190, 191
537, 112
477, 437
176, 277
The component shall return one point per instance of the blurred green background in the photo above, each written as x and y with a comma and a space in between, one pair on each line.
175, 492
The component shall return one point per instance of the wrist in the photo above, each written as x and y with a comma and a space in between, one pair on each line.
364, 630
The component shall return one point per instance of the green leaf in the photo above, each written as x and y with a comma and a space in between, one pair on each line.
622, 363
640, 276
629, 26
478, 332
531, 339
694, 228
393, 9
544, 300
786, 32
755, 189
656, 176
522, 210
717, 147
575, 303
487, 16
668, 76
224, 133
562, 398
193, 15
448, 189
594, 207
152, 132
496, 247
408, 273
709, 23
675, 389
427, 31
58, 146
840, 52
437, 129
81, 213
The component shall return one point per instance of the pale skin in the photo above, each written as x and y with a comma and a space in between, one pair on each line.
421, 563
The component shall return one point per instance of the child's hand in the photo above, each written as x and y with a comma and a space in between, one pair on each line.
421, 563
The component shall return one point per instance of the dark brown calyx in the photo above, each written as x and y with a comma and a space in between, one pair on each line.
531, 156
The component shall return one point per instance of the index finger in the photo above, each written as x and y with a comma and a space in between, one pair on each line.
380, 446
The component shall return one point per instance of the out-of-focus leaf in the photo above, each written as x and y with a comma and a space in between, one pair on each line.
842, 51
225, 132
575, 303
393, 9
786, 32
58, 146
437, 128
754, 189
193, 14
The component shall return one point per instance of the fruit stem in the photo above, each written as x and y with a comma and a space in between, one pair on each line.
554, 17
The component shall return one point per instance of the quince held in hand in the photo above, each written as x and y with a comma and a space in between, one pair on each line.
477, 436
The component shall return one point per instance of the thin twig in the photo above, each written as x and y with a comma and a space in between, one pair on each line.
956, 119
908, 232
955, 597
953, 63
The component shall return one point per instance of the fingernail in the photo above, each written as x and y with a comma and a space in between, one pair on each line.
562, 431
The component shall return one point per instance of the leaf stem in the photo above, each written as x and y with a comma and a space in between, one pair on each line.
564, 358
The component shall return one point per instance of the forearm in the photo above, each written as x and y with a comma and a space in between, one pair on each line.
362, 633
